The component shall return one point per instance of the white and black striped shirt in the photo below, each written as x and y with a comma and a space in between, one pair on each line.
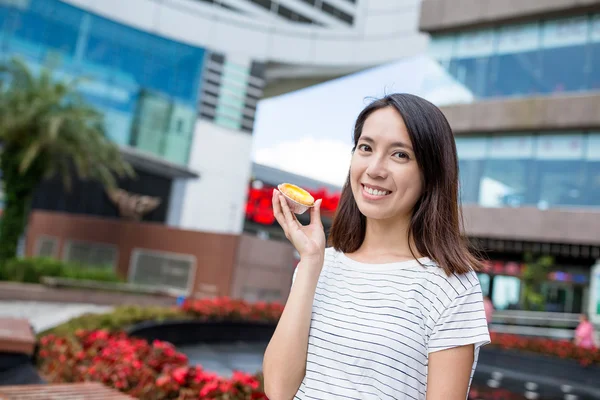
374, 325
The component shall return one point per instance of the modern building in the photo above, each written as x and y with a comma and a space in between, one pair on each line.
179, 80
529, 141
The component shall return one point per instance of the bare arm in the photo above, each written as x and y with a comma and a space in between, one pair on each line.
449, 372
284, 363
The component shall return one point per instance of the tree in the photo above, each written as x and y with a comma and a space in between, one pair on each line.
46, 128
534, 275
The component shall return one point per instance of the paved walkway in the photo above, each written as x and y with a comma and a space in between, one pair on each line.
43, 315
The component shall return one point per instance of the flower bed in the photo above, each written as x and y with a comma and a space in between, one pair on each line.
148, 371
94, 348
557, 348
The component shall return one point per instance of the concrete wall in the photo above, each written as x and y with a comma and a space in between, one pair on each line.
572, 111
240, 266
214, 254
447, 15
531, 224
263, 269
216, 201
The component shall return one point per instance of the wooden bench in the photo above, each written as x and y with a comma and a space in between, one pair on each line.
16, 336
67, 391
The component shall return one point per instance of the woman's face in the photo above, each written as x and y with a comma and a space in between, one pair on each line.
384, 175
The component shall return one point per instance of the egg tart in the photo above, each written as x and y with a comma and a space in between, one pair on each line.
298, 199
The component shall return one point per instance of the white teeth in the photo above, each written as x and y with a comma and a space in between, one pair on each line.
376, 192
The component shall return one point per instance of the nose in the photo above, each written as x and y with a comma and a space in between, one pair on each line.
377, 168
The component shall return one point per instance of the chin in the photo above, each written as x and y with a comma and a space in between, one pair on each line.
371, 211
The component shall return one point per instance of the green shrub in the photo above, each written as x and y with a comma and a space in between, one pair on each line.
31, 270
119, 319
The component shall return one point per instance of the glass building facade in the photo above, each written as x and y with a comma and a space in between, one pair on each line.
146, 86
541, 169
541, 57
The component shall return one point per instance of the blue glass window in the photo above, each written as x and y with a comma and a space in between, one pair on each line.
592, 181
564, 54
470, 66
594, 70
560, 170
558, 55
516, 67
48, 31
471, 155
507, 169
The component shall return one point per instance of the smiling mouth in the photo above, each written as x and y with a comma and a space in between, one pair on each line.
375, 192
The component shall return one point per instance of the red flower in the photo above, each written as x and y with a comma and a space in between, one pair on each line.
162, 380
180, 374
208, 388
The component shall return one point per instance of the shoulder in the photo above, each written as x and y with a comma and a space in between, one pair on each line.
454, 284
331, 256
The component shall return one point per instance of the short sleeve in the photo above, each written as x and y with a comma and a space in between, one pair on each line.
462, 323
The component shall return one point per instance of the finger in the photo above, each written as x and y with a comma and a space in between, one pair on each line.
289, 216
315, 213
277, 212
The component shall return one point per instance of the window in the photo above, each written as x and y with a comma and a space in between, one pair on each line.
266, 4
441, 48
506, 171
516, 67
471, 63
563, 57
292, 15
592, 181
560, 168
547, 56
471, 153
337, 13
594, 73
506, 293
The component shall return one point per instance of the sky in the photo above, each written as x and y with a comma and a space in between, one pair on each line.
309, 131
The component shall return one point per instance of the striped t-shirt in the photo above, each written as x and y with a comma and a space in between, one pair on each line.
373, 326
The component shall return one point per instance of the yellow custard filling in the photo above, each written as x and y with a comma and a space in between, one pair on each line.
297, 194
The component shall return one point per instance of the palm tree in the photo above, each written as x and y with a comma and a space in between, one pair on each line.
46, 129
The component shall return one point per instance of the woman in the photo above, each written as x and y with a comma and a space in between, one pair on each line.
393, 309
584, 333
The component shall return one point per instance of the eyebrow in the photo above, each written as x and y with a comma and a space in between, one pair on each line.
395, 144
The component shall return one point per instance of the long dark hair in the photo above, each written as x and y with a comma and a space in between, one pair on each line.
436, 222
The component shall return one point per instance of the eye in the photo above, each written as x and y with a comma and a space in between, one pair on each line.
364, 147
401, 155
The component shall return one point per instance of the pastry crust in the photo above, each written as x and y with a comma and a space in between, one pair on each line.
297, 194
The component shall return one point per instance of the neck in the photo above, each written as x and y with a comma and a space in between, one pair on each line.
388, 237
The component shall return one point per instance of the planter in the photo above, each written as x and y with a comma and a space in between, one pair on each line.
185, 332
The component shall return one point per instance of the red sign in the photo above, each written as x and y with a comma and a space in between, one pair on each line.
502, 267
259, 207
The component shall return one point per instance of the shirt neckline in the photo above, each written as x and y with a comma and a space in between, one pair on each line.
383, 266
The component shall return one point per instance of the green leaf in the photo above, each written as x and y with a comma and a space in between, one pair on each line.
30, 154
